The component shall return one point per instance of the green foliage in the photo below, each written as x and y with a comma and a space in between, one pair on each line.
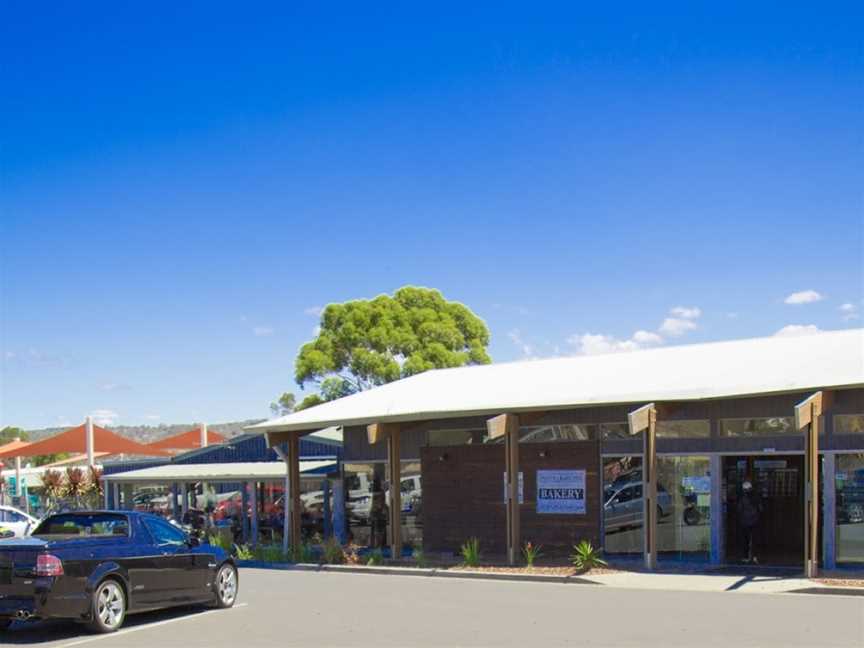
376, 557
268, 553
333, 553
531, 552
419, 557
220, 540
9, 434
303, 553
283, 405
586, 557
244, 553
470, 552
368, 342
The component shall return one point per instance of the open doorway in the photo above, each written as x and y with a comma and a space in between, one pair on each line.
778, 490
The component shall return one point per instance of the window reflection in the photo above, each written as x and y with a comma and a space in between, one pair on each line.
756, 427
849, 507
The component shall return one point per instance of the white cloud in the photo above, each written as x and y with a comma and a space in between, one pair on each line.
262, 331
849, 311
676, 326
516, 338
597, 343
647, 337
104, 416
112, 387
686, 312
804, 297
313, 311
798, 329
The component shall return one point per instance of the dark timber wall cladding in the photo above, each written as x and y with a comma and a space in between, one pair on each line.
463, 496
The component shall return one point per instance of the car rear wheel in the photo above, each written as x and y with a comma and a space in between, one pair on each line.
109, 607
226, 586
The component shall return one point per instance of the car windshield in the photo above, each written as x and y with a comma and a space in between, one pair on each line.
84, 524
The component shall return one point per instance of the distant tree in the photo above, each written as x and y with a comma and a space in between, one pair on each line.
9, 433
283, 405
367, 342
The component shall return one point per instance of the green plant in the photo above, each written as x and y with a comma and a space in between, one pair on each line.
333, 553
531, 553
244, 552
470, 552
268, 553
221, 541
419, 557
376, 557
586, 557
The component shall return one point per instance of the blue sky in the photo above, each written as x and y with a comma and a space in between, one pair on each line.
182, 187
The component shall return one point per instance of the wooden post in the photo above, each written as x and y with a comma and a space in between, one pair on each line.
292, 497
394, 466
507, 425
390, 432
807, 415
645, 419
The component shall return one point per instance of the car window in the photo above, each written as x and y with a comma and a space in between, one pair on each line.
2, 515
14, 516
624, 495
87, 524
165, 534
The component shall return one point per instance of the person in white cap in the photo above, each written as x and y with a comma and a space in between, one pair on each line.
749, 512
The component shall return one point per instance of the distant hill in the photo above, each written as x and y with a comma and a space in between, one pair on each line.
150, 433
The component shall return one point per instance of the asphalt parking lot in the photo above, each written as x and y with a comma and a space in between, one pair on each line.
284, 608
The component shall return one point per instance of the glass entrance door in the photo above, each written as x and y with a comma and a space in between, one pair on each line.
778, 486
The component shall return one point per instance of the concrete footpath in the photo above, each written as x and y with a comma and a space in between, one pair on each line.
751, 582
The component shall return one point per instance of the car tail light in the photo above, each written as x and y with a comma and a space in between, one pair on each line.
48, 565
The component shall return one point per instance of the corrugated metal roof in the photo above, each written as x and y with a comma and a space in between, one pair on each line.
689, 372
226, 472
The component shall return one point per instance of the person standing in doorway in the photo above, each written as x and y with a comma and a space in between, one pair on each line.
749, 511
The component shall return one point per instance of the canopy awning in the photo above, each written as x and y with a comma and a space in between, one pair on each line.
738, 368
187, 440
220, 472
75, 440
13, 447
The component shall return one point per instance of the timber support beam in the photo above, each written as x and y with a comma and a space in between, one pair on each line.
808, 416
507, 426
390, 432
644, 420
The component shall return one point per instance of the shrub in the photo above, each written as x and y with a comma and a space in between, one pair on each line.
419, 557
470, 552
333, 553
376, 557
585, 556
244, 552
268, 553
350, 555
531, 553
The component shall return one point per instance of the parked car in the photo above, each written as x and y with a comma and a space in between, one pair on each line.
15, 523
98, 566
623, 505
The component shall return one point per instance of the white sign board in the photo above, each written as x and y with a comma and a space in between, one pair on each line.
561, 492
521, 487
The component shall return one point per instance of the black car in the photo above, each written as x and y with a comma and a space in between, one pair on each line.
96, 567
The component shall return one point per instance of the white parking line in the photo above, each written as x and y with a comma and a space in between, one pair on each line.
147, 626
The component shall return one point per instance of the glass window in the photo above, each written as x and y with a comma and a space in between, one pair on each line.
14, 516
552, 433
365, 504
622, 505
412, 505
757, 427
849, 507
165, 534
610, 431
89, 524
684, 429
849, 424
684, 507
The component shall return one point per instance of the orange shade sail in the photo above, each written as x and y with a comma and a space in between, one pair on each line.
186, 440
75, 440
12, 446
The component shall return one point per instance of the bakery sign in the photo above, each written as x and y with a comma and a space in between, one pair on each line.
561, 492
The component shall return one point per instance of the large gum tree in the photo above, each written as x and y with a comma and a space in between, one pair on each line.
367, 342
